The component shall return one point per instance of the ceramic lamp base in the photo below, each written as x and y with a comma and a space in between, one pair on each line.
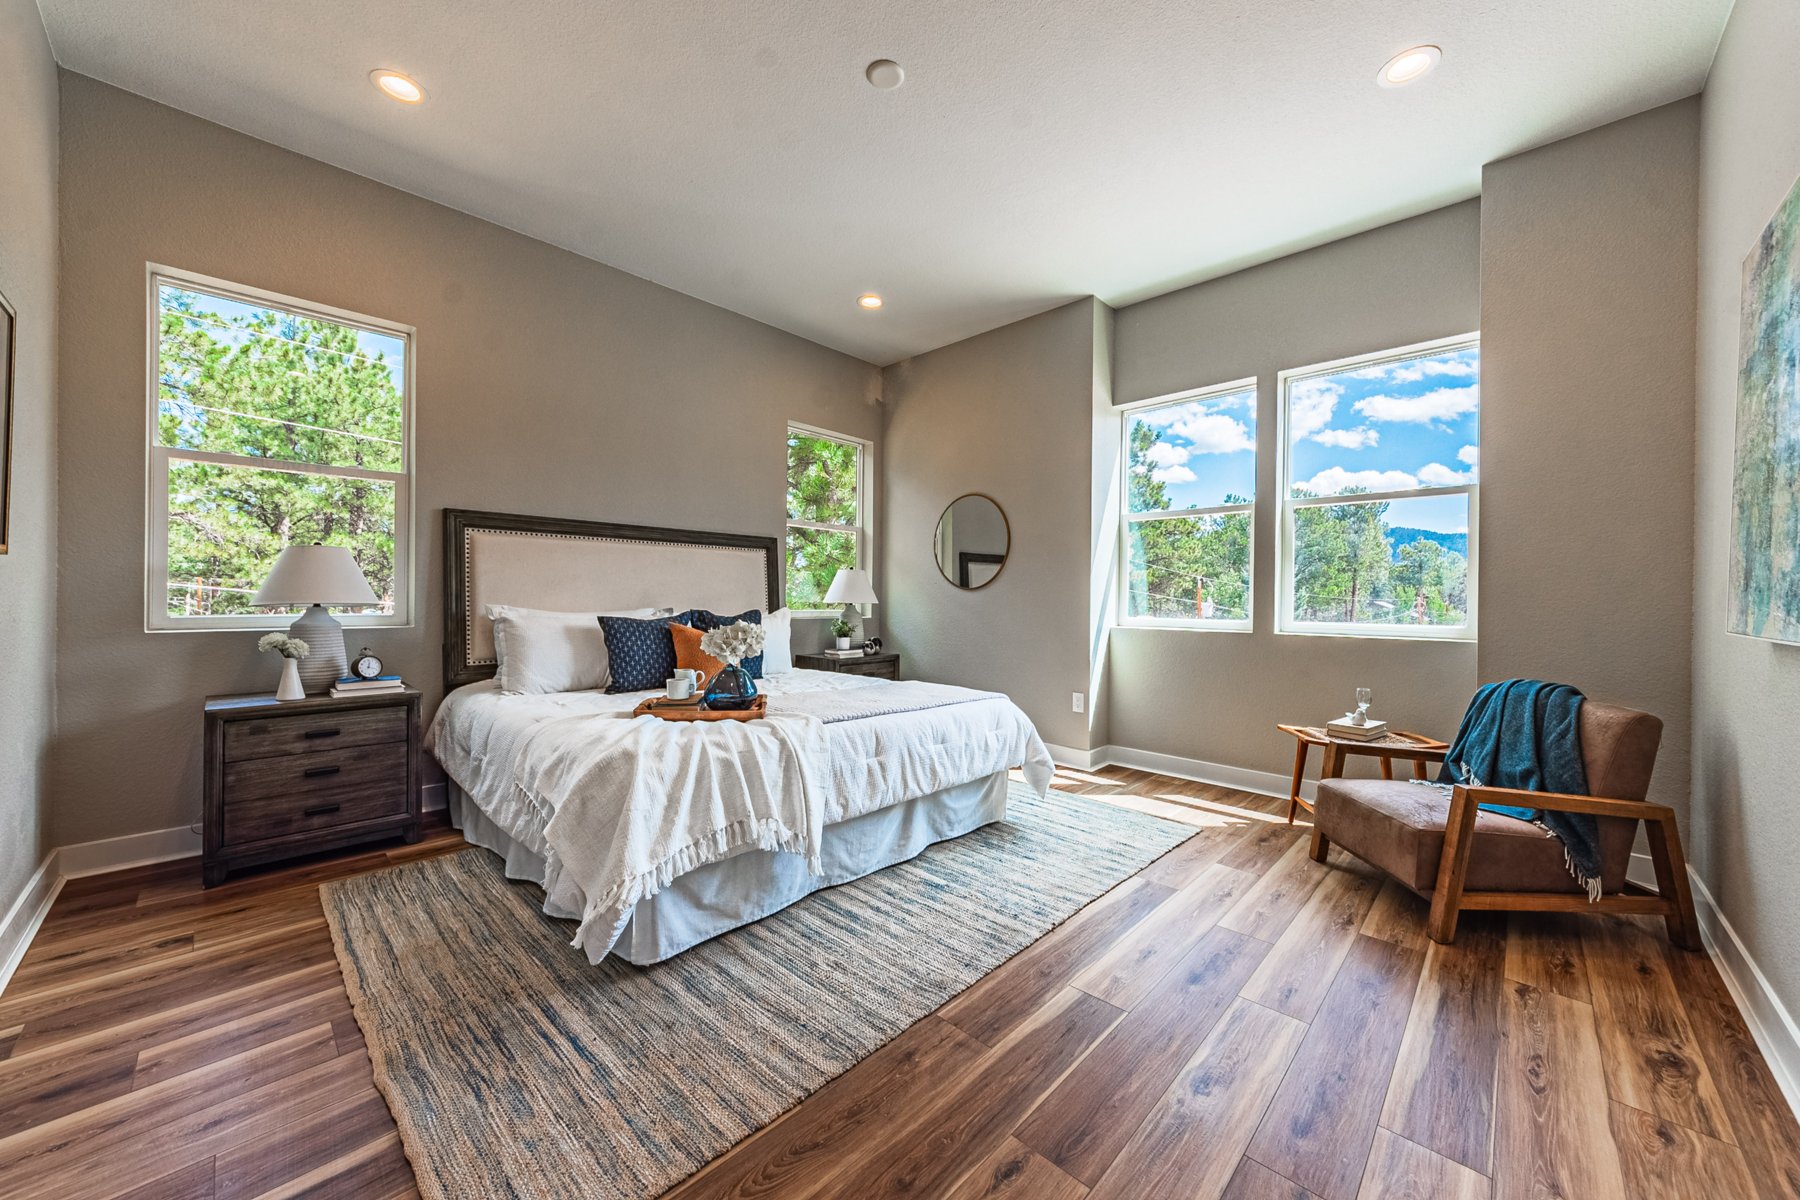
325, 662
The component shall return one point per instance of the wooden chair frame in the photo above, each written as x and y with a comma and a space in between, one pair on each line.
1673, 900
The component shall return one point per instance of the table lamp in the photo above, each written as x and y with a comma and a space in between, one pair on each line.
851, 586
317, 576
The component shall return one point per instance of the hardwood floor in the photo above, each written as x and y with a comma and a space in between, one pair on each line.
1235, 1021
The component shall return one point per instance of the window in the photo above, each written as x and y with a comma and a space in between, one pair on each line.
828, 514
1190, 504
271, 421
1379, 466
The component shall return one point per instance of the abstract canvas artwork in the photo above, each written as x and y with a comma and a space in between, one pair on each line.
1765, 494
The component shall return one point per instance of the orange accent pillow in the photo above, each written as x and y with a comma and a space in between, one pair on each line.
690, 657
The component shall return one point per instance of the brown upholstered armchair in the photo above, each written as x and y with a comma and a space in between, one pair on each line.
1461, 857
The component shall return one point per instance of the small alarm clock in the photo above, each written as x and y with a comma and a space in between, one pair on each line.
367, 665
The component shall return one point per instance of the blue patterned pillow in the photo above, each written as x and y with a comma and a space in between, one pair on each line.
641, 652
702, 620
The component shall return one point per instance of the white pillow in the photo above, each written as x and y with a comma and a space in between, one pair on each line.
543, 651
778, 642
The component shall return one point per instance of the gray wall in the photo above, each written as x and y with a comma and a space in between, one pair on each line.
1213, 695
547, 383
28, 570
1007, 413
1587, 495
1742, 835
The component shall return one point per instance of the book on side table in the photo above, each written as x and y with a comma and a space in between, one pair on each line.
352, 685
1345, 729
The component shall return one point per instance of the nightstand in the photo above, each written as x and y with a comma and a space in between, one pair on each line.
285, 778
881, 666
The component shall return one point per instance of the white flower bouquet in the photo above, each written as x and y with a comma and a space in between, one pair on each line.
282, 644
733, 643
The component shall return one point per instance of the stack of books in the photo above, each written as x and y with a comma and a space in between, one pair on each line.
1343, 728
351, 685
854, 652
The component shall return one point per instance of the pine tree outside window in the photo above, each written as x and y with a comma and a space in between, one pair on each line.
1380, 465
828, 515
1189, 509
272, 421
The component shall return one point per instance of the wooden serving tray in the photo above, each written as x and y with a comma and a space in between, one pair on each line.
663, 710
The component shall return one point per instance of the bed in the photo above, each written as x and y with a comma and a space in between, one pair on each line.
858, 773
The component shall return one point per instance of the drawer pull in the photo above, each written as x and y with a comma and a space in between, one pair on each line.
316, 772
319, 810
323, 733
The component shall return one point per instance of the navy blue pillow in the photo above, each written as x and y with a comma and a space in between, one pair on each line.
702, 620
641, 652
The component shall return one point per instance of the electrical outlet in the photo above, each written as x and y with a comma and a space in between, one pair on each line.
1079, 701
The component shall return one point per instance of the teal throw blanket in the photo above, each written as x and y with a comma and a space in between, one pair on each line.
1525, 733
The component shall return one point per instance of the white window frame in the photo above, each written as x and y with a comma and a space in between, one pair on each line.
157, 619
865, 517
1285, 621
1127, 518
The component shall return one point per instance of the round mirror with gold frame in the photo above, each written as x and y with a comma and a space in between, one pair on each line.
972, 542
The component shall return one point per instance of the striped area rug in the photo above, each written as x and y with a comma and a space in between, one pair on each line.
514, 1069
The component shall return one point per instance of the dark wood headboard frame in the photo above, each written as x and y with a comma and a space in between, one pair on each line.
458, 670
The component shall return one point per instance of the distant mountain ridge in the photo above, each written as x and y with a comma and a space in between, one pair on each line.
1405, 535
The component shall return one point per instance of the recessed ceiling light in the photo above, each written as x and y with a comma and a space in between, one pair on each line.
399, 87
869, 300
885, 74
1409, 66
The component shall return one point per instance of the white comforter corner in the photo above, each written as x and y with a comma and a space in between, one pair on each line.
618, 807
638, 802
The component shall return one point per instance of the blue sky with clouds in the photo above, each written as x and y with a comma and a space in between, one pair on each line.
1390, 427
1207, 450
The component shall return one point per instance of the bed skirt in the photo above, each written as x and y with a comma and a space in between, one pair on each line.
746, 887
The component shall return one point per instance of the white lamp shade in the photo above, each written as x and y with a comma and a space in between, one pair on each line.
315, 575
851, 586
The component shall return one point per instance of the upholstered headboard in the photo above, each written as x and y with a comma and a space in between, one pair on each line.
587, 566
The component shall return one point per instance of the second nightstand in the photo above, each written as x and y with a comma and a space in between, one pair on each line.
881, 666
296, 777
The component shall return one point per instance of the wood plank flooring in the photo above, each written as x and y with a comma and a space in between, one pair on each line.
1234, 1022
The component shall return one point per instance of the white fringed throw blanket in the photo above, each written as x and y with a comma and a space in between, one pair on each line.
638, 802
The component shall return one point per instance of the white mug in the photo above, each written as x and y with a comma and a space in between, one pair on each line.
681, 686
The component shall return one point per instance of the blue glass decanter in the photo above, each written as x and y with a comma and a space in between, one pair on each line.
731, 690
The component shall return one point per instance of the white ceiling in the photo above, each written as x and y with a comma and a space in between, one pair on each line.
1039, 150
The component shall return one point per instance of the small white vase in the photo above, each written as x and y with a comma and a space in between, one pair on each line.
290, 687
842, 643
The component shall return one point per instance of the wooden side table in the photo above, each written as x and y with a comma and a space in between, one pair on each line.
300, 776
882, 666
1397, 744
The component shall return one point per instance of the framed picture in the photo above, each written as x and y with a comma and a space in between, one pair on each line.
8, 363
1765, 533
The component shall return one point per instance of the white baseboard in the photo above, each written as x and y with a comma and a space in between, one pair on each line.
70, 862
21, 922
1065, 756
434, 797
132, 850
1771, 1026
1263, 783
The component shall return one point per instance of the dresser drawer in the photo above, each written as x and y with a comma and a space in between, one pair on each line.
308, 732
298, 793
881, 669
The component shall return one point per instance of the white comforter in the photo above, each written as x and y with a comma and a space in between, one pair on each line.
619, 807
